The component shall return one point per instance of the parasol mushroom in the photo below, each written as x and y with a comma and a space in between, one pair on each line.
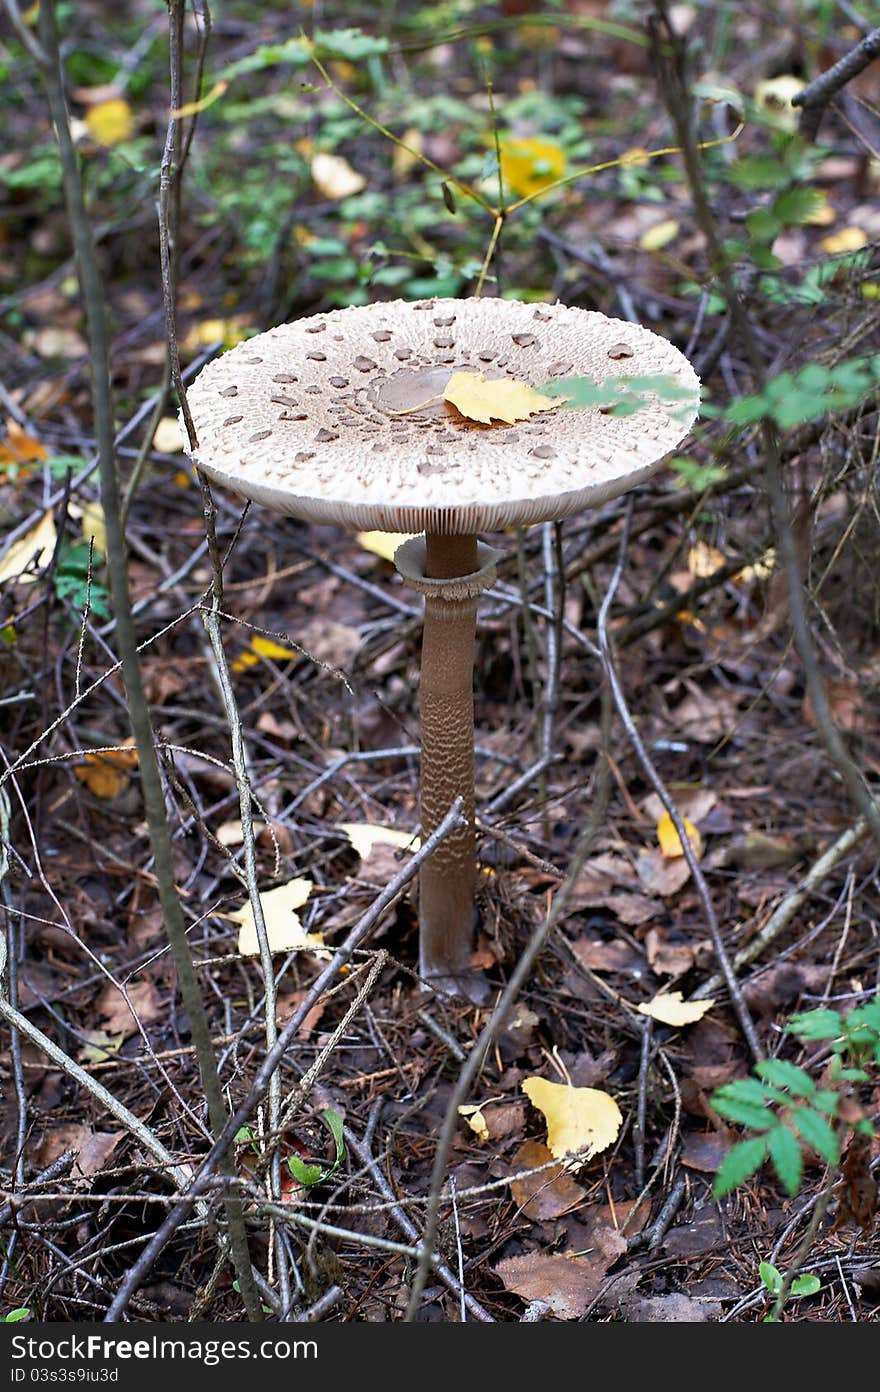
340, 418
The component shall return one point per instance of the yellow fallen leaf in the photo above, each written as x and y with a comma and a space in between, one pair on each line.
267, 647
847, 239
105, 772
31, 553
671, 1009
225, 331
167, 438
100, 1047
283, 927
473, 1115
704, 560
660, 235
94, 524
530, 164
192, 108
498, 399
670, 843
110, 122
577, 1118
383, 544
761, 569
334, 177
365, 835
244, 661
19, 448
773, 95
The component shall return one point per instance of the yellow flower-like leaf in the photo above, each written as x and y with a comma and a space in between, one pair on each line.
110, 122
670, 1008
283, 928
670, 842
530, 164
500, 398
473, 1115
578, 1118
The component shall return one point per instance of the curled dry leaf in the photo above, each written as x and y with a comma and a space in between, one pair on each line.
578, 1119
670, 1008
497, 399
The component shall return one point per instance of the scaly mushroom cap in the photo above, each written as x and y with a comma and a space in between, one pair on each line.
316, 418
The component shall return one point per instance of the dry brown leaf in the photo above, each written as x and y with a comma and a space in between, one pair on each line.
659, 874
547, 1194
567, 1283
115, 1014
667, 959
18, 447
497, 399
93, 1148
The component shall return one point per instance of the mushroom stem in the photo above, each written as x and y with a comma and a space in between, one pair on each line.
446, 703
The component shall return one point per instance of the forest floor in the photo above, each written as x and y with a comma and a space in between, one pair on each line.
323, 643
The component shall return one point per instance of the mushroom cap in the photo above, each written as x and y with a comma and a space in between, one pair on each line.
339, 418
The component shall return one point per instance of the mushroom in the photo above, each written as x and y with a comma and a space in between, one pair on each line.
340, 418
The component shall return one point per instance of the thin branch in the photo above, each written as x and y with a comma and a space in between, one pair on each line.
816, 96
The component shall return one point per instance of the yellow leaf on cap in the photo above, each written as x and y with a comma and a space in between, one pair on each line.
670, 842
334, 177
364, 836
30, 553
383, 544
577, 1118
670, 1008
499, 399
283, 928
110, 122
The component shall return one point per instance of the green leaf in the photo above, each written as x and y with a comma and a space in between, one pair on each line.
15, 1315
741, 1161
303, 1172
762, 225
817, 1133
786, 1075
785, 1153
333, 1121
798, 204
826, 1100
808, 1284
771, 1276
816, 1024
732, 1102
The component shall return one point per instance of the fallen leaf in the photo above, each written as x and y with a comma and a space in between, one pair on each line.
110, 122
19, 448
406, 155
334, 178
31, 553
167, 438
691, 799
567, 1283
670, 1309
383, 544
530, 164
228, 332
670, 842
100, 1046
704, 560
94, 526
93, 1148
578, 1119
597, 955
667, 959
56, 342
847, 239
660, 875
111, 1007
283, 928
660, 235
670, 1008
365, 835
547, 1194
473, 1115
105, 772
499, 398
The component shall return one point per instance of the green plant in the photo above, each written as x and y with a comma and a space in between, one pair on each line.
15, 1316
774, 1282
308, 1174
74, 581
785, 1109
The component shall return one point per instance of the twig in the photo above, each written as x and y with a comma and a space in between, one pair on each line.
671, 51
138, 710
815, 97
786, 910
260, 1083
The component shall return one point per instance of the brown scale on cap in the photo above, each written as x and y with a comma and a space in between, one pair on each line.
386, 366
